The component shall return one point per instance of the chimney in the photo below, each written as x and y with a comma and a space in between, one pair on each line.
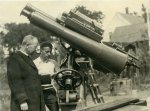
135, 13
145, 17
127, 10
144, 13
110, 35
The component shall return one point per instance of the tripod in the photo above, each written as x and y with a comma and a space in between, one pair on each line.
90, 80
83, 64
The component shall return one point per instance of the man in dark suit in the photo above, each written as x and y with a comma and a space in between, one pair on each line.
23, 79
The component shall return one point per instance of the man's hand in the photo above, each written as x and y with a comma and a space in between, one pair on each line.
24, 106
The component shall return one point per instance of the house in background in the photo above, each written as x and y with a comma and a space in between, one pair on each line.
119, 20
135, 34
134, 38
131, 32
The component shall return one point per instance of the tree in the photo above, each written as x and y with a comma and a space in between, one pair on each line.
16, 32
96, 15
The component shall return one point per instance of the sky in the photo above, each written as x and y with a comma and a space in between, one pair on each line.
10, 9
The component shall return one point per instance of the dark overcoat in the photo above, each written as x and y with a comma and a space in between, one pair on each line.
24, 83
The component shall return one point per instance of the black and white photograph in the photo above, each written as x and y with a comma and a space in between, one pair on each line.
74, 55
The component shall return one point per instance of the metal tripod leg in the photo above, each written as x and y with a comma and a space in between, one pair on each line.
91, 83
95, 90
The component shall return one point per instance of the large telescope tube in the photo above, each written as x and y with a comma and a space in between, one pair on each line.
107, 57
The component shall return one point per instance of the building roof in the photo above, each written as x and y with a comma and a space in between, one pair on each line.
130, 33
132, 19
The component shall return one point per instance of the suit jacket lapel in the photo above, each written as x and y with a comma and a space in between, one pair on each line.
27, 59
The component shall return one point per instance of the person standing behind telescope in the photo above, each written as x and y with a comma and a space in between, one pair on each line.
23, 79
47, 67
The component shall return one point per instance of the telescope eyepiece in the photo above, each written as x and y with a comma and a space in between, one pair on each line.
25, 13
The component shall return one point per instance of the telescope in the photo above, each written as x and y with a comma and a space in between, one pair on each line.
106, 57
85, 35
